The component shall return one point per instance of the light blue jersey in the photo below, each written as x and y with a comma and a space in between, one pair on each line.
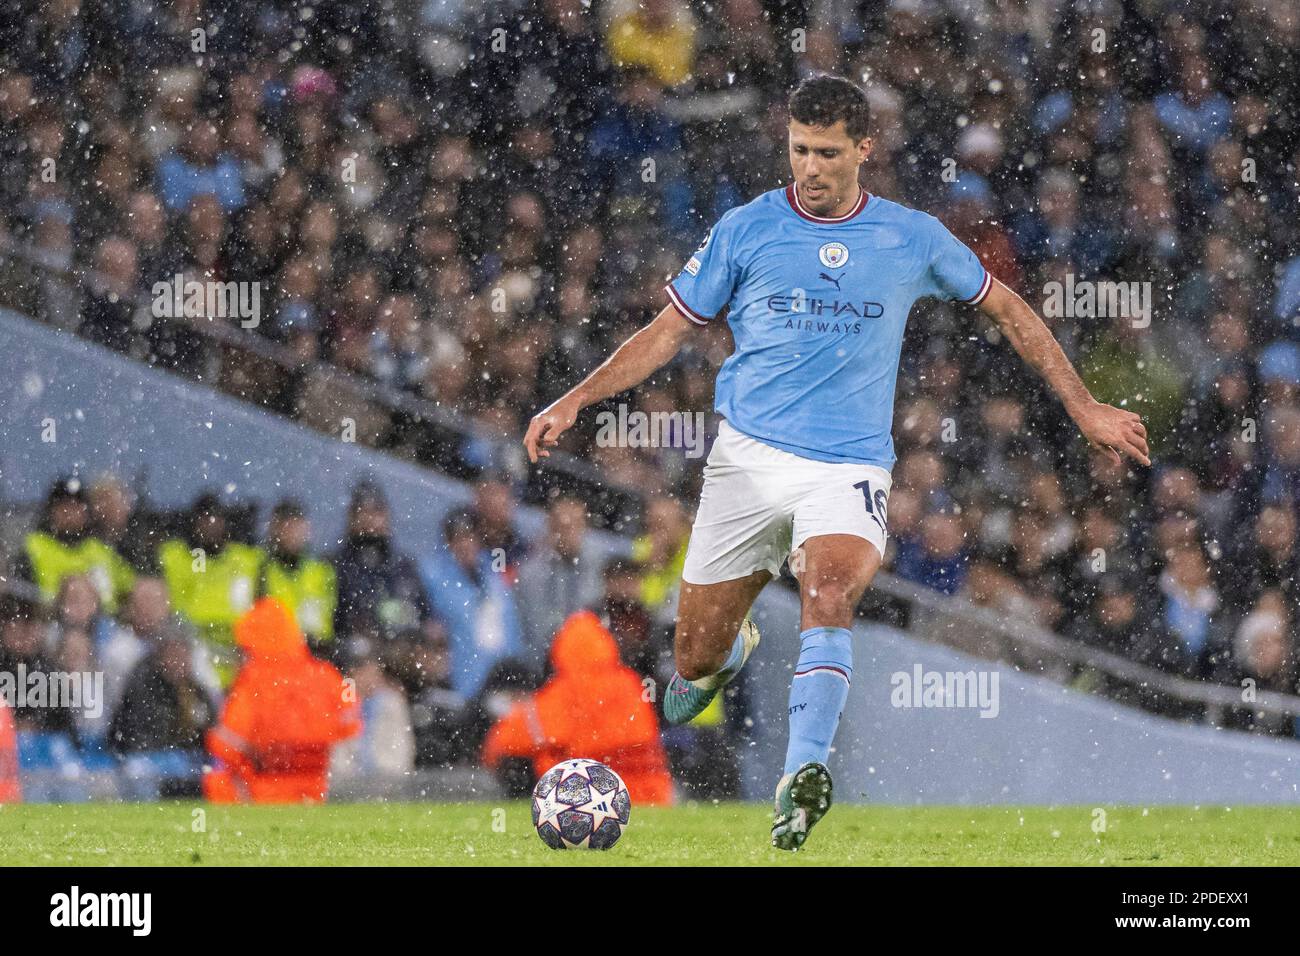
817, 307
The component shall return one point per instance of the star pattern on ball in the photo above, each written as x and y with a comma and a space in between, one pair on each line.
601, 808
580, 803
549, 808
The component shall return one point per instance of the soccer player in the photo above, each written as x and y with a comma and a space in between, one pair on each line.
818, 278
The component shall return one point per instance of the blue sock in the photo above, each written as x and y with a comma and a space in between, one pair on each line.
817, 694
727, 670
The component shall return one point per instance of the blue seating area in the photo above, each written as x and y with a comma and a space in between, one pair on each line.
55, 770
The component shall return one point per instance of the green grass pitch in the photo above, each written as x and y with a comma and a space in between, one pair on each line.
190, 834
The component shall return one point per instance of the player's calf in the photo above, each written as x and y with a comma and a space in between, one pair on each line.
714, 639
686, 697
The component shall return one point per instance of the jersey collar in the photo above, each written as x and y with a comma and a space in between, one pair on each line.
792, 196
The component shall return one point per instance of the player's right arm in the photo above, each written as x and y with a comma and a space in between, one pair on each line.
644, 353
696, 296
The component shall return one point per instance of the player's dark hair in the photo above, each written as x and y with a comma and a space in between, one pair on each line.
825, 99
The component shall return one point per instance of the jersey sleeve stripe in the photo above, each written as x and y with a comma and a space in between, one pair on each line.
683, 308
824, 668
987, 284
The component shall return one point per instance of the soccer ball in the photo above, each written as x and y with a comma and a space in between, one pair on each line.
581, 803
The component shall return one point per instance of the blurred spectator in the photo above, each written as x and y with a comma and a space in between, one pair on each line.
385, 747
1125, 366
494, 515
76, 610
285, 713
658, 35
1281, 479
642, 644
1286, 304
146, 229
556, 579
987, 584
635, 142
1057, 227
71, 643
210, 577
661, 553
163, 707
508, 683
1194, 114
198, 167
379, 589
22, 650
64, 546
436, 708
398, 353
1103, 547
938, 558
108, 315
1278, 368
1190, 601
1032, 556
307, 586
1119, 622
1269, 560
592, 705
147, 621
11, 790
468, 590
115, 520
1264, 650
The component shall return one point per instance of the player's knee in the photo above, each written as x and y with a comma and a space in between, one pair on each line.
831, 602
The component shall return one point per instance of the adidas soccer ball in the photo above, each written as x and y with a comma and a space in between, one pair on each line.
580, 803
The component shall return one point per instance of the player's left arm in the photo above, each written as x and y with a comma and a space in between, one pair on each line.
1107, 428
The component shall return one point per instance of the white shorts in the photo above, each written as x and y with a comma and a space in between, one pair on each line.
758, 503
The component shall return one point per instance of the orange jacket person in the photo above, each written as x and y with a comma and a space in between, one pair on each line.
285, 711
10, 791
592, 707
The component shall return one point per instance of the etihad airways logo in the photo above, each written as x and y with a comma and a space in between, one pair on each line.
824, 308
824, 325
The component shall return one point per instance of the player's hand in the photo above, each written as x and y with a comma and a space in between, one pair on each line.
548, 425
1113, 430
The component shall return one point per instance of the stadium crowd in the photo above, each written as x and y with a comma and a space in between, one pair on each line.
438, 646
474, 203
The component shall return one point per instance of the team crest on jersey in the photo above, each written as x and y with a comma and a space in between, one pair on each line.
834, 254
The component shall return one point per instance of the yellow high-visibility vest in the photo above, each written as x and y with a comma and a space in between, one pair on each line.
54, 561
211, 590
309, 591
